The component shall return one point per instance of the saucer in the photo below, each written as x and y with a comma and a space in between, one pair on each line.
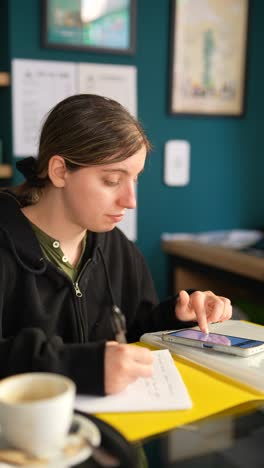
76, 448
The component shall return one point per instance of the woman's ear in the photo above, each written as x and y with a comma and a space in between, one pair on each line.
57, 171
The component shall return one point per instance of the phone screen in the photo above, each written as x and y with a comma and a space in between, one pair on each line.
216, 338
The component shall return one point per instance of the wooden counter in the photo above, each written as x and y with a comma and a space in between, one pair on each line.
225, 271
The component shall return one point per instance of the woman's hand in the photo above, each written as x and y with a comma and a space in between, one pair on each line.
123, 364
203, 307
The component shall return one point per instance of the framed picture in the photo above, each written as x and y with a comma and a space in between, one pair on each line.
209, 44
91, 25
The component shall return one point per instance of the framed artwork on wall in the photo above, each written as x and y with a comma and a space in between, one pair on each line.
208, 57
107, 26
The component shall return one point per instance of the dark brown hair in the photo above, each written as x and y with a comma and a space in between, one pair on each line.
86, 130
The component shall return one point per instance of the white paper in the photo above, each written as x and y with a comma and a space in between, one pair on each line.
129, 224
165, 390
118, 82
37, 86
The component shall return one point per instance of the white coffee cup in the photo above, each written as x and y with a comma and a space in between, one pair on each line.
36, 411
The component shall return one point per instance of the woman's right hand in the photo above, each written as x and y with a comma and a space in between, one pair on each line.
123, 364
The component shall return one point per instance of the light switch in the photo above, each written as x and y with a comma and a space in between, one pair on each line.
177, 163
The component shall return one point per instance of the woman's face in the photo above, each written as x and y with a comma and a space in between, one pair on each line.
96, 198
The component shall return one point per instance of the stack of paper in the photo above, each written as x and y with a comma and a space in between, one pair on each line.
234, 238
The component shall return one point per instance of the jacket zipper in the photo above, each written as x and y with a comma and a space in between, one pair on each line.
79, 294
77, 290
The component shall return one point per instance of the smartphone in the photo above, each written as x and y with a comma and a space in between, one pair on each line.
214, 341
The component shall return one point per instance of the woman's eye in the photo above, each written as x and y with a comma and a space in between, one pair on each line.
111, 183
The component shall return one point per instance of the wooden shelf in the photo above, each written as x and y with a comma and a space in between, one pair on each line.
4, 79
219, 257
5, 171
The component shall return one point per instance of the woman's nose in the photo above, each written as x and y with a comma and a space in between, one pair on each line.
128, 197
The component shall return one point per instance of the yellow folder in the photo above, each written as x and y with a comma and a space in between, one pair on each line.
210, 392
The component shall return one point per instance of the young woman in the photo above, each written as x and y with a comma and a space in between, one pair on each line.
65, 268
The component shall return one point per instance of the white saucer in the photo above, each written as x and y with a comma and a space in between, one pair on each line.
87, 429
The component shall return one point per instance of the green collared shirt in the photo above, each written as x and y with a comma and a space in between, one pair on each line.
52, 251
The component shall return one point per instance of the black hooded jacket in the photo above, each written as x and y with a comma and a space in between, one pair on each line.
48, 323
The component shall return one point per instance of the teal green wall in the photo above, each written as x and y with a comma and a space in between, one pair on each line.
226, 188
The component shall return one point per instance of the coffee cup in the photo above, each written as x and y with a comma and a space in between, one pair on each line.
36, 411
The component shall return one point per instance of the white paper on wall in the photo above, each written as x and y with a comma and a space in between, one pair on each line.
118, 82
37, 86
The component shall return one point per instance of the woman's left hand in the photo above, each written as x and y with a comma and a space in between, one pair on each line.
203, 307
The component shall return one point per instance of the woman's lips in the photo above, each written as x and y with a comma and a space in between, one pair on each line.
116, 218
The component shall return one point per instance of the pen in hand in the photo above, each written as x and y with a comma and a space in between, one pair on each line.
123, 363
119, 324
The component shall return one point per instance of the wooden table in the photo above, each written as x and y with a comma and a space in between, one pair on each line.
226, 272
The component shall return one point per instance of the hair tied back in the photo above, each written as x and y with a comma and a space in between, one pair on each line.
28, 167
